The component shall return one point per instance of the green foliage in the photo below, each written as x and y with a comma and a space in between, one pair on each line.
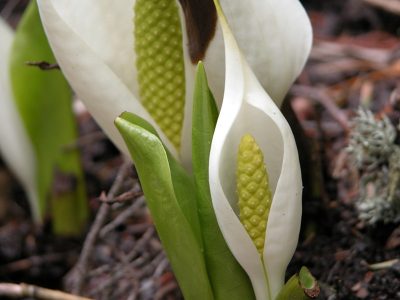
182, 182
228, 279
377, 157
181, 206
301, 286
171, 215
43, 99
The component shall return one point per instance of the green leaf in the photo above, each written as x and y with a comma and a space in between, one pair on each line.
43, 99
183, 184
302, 286
175, 231
228, 279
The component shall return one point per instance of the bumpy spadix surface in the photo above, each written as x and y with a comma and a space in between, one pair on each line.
253, 190
159, 63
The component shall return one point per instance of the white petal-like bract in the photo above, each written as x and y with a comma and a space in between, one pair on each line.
275, 37
247, 108
96, 70
15, 146
93, 42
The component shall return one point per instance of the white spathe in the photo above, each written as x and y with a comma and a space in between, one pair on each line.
15, 146
93, 43
95, 51
247, 108
275, 37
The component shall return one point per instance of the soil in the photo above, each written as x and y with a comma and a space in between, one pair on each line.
355, 61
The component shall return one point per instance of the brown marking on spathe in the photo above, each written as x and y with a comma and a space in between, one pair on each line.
201, 23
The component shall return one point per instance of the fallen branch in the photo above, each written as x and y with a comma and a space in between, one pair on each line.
23, 290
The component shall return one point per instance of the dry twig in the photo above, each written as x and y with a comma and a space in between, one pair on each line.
392, 6
166, 289
129, 195
331, 51
129, 211
23, 290
384, 265
8, 9
43, 65
77, 275
325, 100
33, 261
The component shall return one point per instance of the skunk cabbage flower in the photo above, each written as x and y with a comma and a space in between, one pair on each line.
259, 216
140, 55
15, 147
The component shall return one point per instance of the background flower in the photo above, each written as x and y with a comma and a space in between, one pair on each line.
14, 142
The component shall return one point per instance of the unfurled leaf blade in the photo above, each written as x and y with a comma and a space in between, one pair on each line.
176, 234
43, 99
228, 279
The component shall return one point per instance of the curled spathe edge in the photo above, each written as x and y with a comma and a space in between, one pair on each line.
247, 108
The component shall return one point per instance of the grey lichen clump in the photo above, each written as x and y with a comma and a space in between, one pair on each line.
377, 157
